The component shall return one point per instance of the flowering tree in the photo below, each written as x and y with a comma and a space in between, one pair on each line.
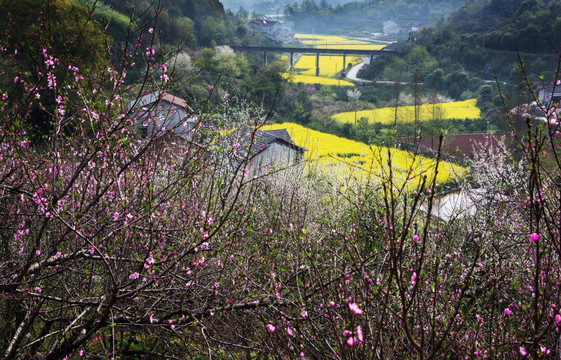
108, 239
114, 245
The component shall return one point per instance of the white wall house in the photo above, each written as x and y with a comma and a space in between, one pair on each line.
391, 28
163, 114
271, 149
547, 94
273, 30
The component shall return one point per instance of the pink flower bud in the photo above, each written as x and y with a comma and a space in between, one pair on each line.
534, 237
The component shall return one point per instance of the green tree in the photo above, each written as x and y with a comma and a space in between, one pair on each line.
435, 79
309, 6
213, 29
241, 31
229, 63
363, 132
419, 60
242, 14
417, 90
396, 93
49, 41
72, 36
437, 113
180, 29
353, 96
397, 70
458, 82
269, 84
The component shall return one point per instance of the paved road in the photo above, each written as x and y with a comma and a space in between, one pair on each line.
351, 75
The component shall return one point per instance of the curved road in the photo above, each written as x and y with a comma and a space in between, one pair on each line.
351, 75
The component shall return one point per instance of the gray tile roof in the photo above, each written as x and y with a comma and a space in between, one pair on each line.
263, 139
278, 134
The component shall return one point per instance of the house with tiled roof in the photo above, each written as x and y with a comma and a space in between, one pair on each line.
547, 94
162, 114
273, 30
390, 27
263, 149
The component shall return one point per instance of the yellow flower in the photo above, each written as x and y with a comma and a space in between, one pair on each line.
329, 65
350, 159
453, 110
317, 80
339, 42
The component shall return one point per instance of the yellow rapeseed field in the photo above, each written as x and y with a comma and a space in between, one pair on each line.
329, 65
453, 110
307, 79
348, 158
339, 42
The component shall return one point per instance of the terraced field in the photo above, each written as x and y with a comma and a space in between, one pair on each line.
351, 160
466, 109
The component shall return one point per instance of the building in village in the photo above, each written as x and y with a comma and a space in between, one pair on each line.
390, 27
264, 150
163, 114
272, 29
548, 94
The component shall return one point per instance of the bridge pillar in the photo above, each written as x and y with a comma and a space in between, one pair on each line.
371, 58
344, 64
292, 60
317, 64
265, 57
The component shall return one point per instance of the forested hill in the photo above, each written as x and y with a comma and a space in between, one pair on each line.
366, 16
189, 22
192, 9
481, 33
506, 24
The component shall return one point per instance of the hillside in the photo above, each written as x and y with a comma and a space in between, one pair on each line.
483, 36
195, 10
367, 17
186, 22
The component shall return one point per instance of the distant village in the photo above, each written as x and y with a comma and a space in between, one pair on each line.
272, 29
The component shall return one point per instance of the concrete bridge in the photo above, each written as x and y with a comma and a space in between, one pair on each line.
300, 50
